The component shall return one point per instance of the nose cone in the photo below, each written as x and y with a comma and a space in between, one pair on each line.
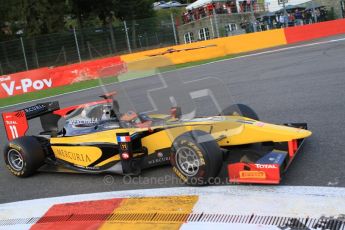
291, 133
277, 133
302, 133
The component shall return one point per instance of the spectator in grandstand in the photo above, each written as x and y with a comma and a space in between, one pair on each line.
307, 17
318, 14
298, 18
323, 14
291, 20
282, 20
210, 7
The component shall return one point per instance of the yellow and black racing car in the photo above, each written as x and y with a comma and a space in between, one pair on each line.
98, 138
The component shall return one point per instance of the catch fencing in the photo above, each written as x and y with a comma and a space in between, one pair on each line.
77, 45
123, 37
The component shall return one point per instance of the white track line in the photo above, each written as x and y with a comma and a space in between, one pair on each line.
235, 58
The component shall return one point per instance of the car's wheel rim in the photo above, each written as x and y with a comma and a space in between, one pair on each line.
15, 160
187, 161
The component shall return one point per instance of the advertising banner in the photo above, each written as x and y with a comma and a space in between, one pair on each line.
45, 78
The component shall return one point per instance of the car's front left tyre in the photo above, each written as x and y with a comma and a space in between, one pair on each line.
23, 156
240, 110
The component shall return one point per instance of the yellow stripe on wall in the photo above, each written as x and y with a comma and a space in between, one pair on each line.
204, 50
254, 41
151, 213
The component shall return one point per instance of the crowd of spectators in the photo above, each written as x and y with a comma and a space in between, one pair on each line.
294, 17
228, 7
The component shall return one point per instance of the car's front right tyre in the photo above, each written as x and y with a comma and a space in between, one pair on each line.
196, 158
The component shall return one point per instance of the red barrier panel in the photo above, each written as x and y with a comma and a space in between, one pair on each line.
314, 31
44, 78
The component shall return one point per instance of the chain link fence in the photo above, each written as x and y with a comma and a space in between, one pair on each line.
78, 45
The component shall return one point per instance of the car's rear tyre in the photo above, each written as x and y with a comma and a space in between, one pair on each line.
196, 158
23, 156
240, 110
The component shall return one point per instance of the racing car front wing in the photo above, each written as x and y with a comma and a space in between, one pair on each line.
269, 168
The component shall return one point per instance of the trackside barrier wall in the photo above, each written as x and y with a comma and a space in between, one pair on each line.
45, 78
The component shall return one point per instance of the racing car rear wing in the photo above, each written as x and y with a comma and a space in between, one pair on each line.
16, 123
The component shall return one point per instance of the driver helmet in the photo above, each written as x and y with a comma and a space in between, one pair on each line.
130, 116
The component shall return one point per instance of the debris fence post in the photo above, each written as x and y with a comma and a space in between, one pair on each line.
76, 43
174, 28
127, 37
253, 16
212, 29
216, 23
24, 55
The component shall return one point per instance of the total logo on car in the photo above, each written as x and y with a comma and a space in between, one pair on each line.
262, 166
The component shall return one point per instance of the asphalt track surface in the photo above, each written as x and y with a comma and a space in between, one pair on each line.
296, 85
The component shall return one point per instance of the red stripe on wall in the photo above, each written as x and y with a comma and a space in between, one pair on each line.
314, 31
75, 216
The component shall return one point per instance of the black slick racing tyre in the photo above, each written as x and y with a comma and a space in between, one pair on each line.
240, 110
196, 158
23, 156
